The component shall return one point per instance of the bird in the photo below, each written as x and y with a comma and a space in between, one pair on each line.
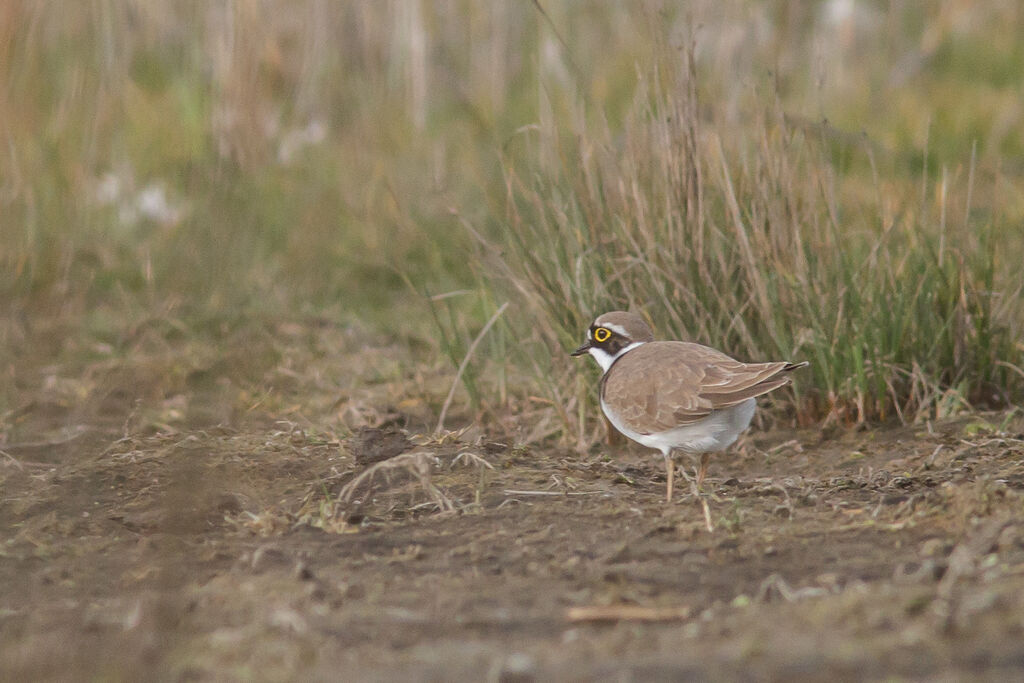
675, 395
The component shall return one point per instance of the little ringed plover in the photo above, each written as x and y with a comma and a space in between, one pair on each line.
673, 395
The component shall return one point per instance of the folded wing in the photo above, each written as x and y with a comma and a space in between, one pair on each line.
663, 385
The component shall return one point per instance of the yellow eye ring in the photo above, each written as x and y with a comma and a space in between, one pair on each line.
601, 335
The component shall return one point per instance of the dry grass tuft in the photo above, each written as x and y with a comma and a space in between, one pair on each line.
750, 236
419, 464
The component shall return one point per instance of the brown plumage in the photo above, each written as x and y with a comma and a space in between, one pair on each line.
663, 385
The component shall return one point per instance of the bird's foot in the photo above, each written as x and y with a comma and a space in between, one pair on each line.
702, 499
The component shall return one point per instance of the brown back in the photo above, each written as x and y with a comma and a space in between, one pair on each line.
662, 385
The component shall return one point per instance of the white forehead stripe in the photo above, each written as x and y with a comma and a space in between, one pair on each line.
617, 329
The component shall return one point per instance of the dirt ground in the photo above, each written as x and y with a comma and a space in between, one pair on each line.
177, 512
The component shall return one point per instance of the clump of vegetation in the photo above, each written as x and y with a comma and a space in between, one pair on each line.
752, 237
798, 182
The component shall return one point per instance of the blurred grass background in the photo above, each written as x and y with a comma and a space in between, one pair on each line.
835, 181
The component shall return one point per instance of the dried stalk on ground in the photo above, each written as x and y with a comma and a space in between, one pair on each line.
418, 463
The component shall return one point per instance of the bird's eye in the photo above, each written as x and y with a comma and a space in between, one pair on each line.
601, 335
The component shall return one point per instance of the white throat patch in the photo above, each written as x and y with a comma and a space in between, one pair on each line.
605, 359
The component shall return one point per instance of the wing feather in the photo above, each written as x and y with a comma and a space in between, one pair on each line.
662, 385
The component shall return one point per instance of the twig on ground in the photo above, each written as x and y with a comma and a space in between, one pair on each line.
792, 443
12, 459
471, 459
77, 432
514, 492
627, 613
482, 466
417, 463
774, 583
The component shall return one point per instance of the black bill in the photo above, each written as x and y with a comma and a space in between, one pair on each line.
582, 350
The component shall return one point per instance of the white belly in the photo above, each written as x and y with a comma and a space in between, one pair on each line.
716, 432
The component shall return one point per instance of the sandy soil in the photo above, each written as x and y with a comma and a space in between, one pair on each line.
155, 526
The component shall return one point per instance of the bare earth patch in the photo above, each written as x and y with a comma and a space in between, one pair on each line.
221, 544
